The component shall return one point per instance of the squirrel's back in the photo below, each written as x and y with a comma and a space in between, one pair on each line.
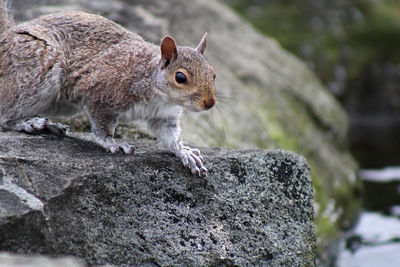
79, 34
6, 20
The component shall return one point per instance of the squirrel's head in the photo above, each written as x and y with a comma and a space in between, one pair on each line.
186, 76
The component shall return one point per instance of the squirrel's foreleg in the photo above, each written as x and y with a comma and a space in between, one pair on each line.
168, 131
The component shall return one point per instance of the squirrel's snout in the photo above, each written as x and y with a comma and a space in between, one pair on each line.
209, 103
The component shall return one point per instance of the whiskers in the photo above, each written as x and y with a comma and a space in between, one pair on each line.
218, 123
223, 97
190, 107
213, 125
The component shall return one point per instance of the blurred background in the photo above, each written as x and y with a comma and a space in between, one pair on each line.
353, 46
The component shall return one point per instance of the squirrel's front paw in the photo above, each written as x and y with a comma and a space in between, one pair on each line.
192, 159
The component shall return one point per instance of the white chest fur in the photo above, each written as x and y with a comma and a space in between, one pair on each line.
157, 107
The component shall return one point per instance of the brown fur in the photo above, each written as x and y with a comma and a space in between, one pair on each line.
6, 20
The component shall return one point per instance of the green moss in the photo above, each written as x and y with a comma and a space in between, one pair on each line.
274, 130
325, 229
371, 39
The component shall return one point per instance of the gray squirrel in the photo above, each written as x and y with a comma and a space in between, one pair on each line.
59, 64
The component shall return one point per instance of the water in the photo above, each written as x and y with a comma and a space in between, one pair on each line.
375, 241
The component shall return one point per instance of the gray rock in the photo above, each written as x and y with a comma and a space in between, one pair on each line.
66, 196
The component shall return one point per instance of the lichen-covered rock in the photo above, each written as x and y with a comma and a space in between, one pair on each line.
66, 196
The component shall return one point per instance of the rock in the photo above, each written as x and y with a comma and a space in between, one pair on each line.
66, 196
11, 260
267, 98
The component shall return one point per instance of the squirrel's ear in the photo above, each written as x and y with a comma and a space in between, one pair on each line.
202, 45
168, 50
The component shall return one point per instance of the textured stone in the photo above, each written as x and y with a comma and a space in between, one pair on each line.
254, 207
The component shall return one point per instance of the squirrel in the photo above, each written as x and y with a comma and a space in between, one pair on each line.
59, 64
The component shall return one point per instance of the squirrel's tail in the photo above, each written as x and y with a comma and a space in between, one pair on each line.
6, 21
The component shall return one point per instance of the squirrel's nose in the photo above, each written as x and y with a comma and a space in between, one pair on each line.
209, 103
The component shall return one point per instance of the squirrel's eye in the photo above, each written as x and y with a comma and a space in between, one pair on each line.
180, 77
215, 76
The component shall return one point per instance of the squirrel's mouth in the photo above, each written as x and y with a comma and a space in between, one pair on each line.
197, 104
201, 105
194, 108
197, 108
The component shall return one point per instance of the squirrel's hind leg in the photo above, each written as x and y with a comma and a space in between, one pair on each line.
57, 128
33, 125
37, 125
103, 126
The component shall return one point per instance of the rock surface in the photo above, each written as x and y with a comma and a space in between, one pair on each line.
267, 98
66, 196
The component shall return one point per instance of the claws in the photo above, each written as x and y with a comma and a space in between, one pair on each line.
109, 144
38, 125
198, 155
58, 128
203, 171
32, 125
195, 171
127, 148
113, 147
185, 162
192, 159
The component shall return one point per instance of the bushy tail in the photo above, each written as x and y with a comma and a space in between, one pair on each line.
6, 20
